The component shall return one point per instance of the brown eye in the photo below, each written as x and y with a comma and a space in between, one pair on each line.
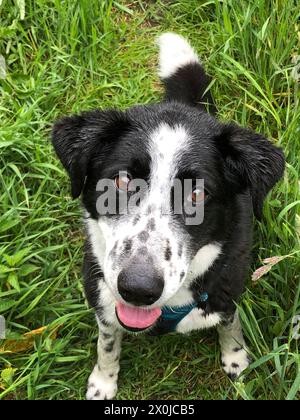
122, 181
197, 196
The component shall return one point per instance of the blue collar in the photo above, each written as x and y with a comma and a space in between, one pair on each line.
171, 316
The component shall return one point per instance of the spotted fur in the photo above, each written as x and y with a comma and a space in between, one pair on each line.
175, 262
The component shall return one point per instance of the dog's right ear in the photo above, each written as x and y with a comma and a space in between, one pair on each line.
74, 139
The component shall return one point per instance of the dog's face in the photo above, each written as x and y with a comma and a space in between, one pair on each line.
150, 252
159, 186
147, 253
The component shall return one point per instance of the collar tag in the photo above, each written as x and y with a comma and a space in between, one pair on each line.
203, 297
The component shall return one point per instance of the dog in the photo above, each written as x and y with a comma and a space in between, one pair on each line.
148, 270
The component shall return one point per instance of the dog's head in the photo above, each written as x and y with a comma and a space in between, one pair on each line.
159, 184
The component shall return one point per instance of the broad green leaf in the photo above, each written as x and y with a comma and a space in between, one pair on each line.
9, 259
4, 269
26, 269
275, 203
13, 281
6, 304
7, 375
13, 260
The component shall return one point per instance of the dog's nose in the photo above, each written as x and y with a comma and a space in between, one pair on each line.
140, 284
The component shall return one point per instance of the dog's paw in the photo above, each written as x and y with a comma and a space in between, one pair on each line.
235, 362
101, 387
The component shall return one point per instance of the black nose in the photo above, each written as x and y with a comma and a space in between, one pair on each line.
140, 284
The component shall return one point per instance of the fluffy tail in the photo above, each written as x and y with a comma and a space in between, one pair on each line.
182, 74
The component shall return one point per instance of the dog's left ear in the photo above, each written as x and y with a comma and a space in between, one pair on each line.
251, 161
75, 138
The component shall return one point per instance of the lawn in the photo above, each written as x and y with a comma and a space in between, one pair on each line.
67, 56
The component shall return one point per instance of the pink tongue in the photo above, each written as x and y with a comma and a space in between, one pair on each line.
137, 317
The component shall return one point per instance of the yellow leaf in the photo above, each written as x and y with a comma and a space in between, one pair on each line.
269, 262
27, 341
38, 331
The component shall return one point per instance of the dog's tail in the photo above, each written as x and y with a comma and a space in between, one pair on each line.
182, 74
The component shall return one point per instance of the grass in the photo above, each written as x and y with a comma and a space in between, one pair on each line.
67, 56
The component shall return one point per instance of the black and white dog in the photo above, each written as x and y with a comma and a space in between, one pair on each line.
147, 269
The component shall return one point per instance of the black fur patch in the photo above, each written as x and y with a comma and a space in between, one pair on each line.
180, 249
136, 219
109, 347
143, 236
92, 275
105, 323
143, 251
151, 224
168, 252
127, 246
106, 336
188, 85
113, 252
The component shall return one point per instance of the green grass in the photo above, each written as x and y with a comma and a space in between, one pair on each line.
68, 56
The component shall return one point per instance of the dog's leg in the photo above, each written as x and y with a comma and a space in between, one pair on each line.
234, 355
102, 383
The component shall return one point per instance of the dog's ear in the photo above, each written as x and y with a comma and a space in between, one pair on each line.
251, 161
74, 139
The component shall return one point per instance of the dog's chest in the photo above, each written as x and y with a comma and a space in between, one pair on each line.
182, 315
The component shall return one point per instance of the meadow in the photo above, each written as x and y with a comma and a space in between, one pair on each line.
63, 57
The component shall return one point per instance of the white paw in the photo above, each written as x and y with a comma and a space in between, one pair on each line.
235, 362
101, 387
174, 52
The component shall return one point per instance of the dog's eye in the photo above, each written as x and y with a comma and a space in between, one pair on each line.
197, 196
122, 181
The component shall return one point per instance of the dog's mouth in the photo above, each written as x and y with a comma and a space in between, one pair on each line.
136, 319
